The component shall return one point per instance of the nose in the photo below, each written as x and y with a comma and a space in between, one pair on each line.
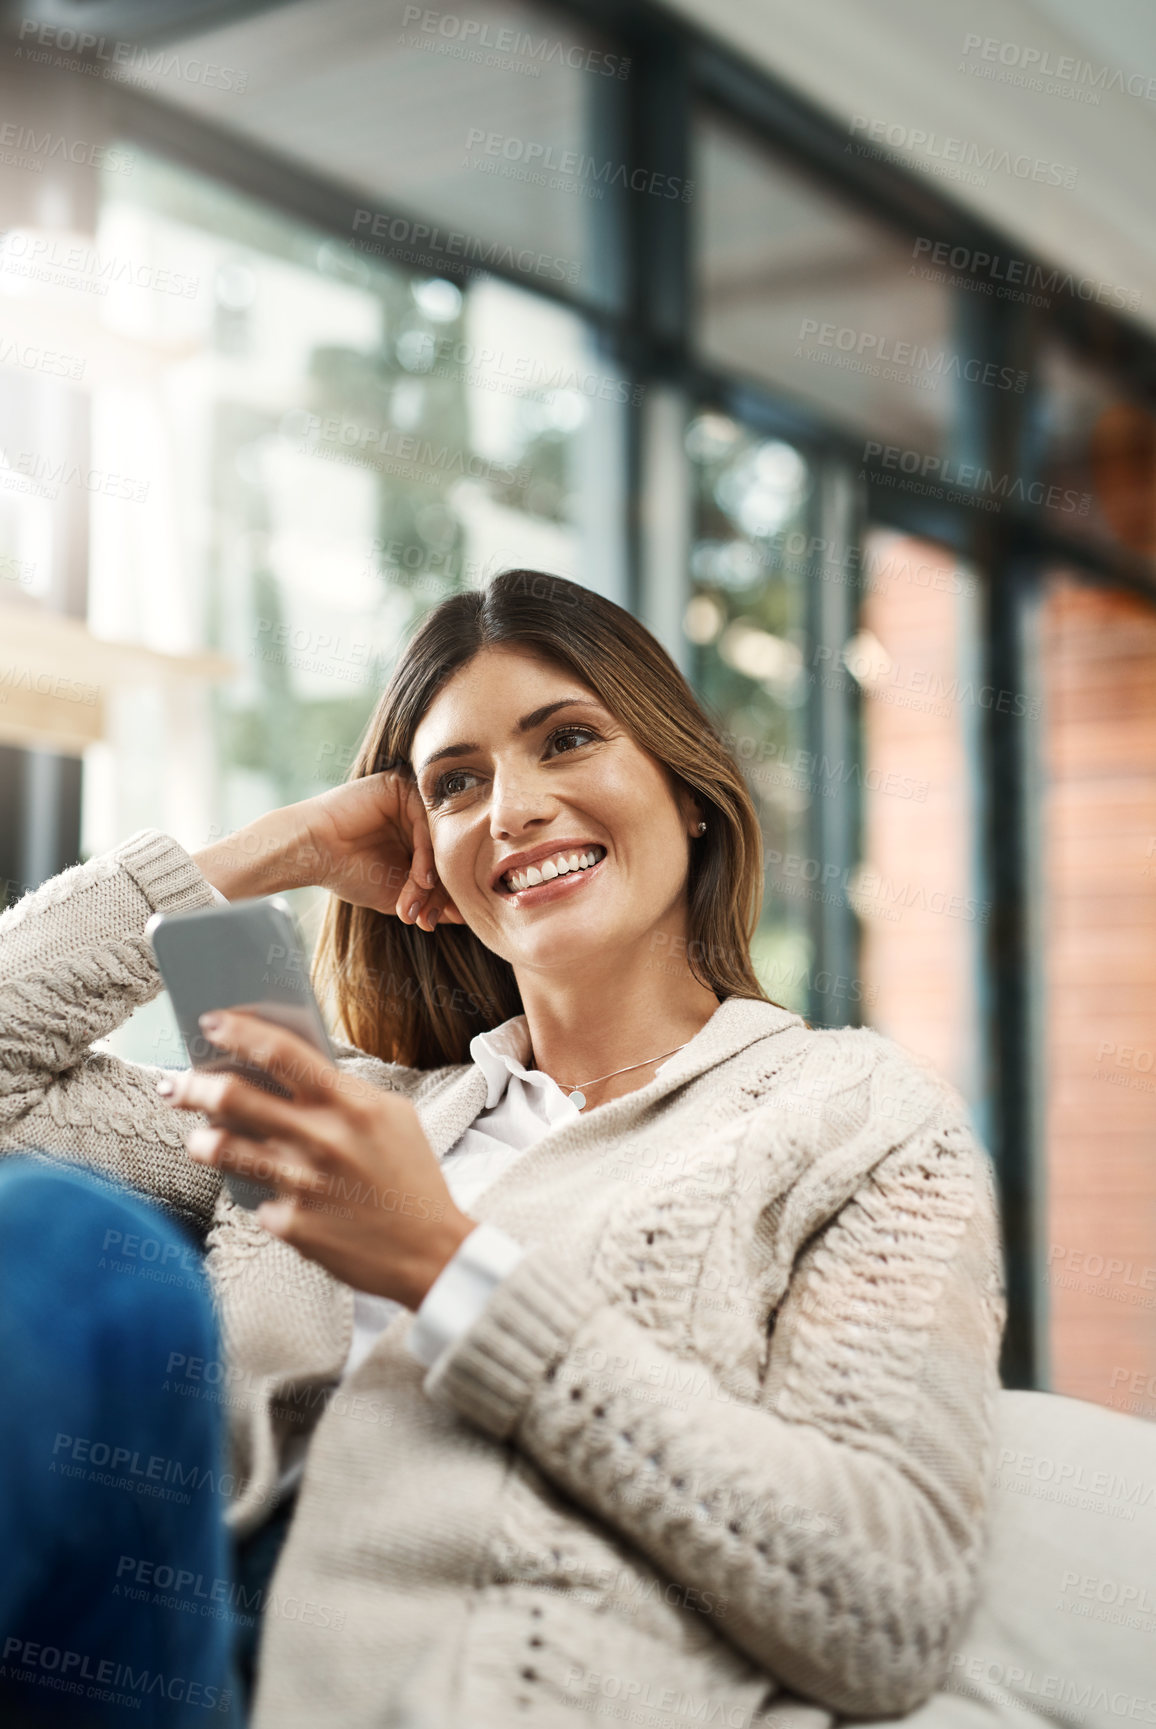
519, 802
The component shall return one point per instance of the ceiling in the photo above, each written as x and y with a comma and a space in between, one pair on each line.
906, 63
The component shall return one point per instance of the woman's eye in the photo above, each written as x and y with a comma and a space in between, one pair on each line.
569, 731
445, 787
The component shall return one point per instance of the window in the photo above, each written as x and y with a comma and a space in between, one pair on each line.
319, 449
746, 621
806, 295
1097, 450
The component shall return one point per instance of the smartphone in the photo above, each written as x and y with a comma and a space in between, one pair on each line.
245, 956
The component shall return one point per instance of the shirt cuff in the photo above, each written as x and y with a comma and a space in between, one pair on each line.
461, 1291
221, 899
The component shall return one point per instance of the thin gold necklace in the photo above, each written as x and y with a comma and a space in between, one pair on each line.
579, 1096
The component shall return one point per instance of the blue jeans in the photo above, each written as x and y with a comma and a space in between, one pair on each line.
119, 1581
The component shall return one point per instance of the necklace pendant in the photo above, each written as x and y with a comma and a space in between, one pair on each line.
578, 1098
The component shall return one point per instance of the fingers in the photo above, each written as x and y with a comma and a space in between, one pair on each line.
412, 901
289, 1059
422, 870
271, 1161
236, 1105
433, 907
441, 909
415, 900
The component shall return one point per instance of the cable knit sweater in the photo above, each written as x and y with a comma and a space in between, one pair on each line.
718, 1449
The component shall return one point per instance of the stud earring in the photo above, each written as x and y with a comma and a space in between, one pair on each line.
702, 828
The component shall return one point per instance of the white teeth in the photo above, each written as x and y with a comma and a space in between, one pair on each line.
560, 865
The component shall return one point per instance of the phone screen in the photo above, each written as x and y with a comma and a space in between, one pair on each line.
245, 956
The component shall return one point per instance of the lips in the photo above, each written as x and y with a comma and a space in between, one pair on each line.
535, 857
564, 882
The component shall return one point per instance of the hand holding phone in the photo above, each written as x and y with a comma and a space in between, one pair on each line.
246, 956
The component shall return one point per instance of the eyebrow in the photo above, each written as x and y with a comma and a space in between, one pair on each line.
527, 724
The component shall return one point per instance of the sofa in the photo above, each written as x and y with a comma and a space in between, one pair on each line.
1064, 1630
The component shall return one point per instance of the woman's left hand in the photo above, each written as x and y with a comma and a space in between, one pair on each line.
359, 1189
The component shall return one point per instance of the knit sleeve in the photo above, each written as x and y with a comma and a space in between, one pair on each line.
838, 1519
74, 964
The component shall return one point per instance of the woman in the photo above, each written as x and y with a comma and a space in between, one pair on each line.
626, 1345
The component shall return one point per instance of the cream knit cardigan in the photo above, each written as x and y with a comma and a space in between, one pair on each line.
718, 1451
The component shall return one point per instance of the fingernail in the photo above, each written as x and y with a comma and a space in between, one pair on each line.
434, 917
211, 1023
430, 878
165, 1086
414, 909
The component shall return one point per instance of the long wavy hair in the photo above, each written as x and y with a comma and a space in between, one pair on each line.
409, 997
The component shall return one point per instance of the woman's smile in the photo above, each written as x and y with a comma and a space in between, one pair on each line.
555, 887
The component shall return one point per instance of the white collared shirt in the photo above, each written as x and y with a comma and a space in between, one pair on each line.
521, 1106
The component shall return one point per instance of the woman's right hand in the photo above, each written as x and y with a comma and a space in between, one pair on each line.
367, 841
374, 848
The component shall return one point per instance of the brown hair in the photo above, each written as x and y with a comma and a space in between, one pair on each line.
412, 998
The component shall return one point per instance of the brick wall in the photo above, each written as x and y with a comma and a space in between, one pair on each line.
1098, 660
922, 918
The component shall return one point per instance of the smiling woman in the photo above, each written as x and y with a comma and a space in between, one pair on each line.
613, 1335
592, 739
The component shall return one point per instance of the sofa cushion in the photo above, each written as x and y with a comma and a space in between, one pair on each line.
1065, 1627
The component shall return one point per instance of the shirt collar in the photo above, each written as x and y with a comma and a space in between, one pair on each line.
505, 1051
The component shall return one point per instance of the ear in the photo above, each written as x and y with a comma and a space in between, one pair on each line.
692, 810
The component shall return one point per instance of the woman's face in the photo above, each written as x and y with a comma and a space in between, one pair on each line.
571, 780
